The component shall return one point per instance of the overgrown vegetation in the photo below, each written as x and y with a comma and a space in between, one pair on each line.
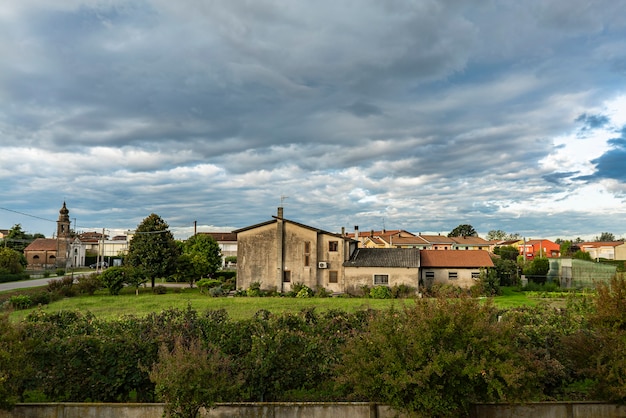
432, 357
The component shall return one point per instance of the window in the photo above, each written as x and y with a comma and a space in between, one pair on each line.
453, 275
307, 252
286, 276
333, 276
381, 279
430, 274
475, 275
333, 245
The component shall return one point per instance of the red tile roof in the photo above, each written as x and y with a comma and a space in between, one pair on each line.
455, 258
43, 244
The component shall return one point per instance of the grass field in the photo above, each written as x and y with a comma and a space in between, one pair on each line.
105, 306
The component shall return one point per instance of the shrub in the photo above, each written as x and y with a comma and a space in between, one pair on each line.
304, 292
41, 298
89, 284
402, 291
190, 377
444, 290
113, 279
437, 358
21, 301
321, 292
205, 284
60, 272
380, 292
216, 291
62, 287
254, 289
159, 290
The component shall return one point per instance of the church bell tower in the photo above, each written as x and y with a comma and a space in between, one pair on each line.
63, 224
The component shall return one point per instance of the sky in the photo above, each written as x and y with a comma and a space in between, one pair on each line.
386, 114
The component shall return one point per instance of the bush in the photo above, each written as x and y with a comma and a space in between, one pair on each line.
62, 287
21, 301
304, 292
60, 272
41, 298
159, 290
216, 291
402, 291
437, 358
89, 284
254, 290
444, 290
380, 292
113, 279
205, 284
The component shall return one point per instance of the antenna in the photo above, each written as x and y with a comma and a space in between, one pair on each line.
282, 199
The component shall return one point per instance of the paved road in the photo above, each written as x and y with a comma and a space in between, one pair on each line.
43, 282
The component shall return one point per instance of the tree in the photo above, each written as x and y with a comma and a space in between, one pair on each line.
507, 252
190, 377
204, 254
605, 237
113, 279
153, 248
464, 230
12, 261
500, 235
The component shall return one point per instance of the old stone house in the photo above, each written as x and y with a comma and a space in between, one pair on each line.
280, 252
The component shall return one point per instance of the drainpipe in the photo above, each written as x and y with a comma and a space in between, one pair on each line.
280, 243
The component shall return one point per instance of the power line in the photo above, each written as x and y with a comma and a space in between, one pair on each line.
26, 214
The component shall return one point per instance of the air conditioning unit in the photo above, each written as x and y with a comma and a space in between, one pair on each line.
322, 265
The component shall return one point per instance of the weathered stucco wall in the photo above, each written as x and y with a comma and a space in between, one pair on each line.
312, 410
256, 257
464, 276
364, 276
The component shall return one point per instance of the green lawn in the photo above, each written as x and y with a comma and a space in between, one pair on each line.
105, 306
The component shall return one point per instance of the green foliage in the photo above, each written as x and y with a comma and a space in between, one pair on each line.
113, 279
14, 366
20, 301
190, 376
605, 237
506, 271
402, 291
63, 287
89, 284
231, 259
159, 290
254, 289
12, 261
537, 269
380, 292
582, 255
153, 249
436, 359
507, 252
204, 255
206, 284
463, 230
488, 284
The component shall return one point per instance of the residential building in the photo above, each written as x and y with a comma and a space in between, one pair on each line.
459, 268
438, 242
534, 248
391, 239
382, 267
612, 250
280, 252
470, 243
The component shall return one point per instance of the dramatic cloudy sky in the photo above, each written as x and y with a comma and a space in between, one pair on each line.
417, 115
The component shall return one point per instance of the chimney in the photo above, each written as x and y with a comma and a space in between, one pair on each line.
280, 212
356, 232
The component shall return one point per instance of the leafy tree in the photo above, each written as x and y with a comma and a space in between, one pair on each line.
463, 230
506, 271
113, 279
605, 237
582, 255
537, 268
12, 261
134, 277
153, 248
500, 235
190, 377
204, 254
507, 252
436, 358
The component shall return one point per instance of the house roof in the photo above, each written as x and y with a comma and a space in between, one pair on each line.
455, 258
469, 240
221, 236
438, 239
384, 257
43, 244
319, 231
596, 244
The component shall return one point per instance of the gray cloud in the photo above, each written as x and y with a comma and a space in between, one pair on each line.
424, 113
